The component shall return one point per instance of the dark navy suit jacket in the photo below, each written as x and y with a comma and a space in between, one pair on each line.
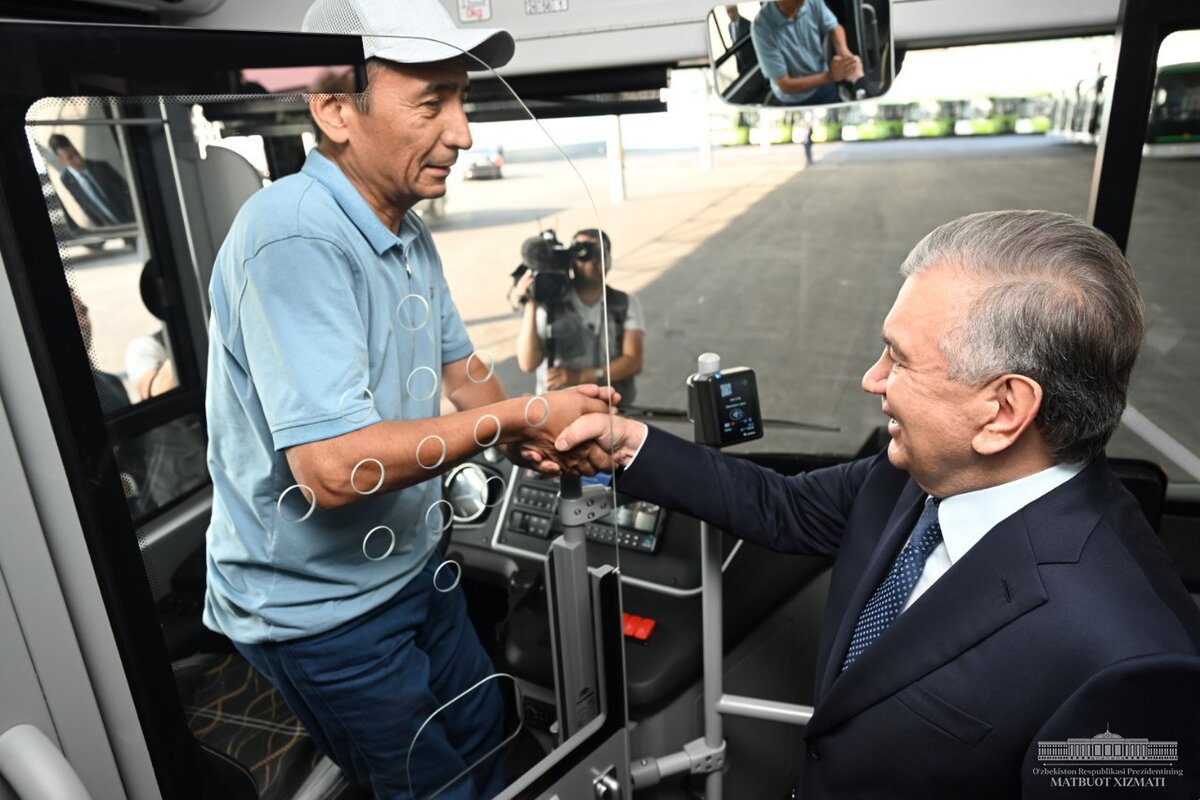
113, 186
1037, 625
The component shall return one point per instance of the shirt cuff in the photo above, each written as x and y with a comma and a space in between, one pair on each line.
633, 457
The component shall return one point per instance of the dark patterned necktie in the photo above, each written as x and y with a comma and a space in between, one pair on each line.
884, 606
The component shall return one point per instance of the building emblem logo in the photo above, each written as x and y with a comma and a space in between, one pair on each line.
1108, 760
1108, 747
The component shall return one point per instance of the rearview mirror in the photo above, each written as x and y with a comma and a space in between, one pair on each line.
794, 53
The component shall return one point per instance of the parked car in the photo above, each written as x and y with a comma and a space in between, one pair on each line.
482, 164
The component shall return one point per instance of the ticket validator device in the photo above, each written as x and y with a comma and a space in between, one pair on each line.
723, 404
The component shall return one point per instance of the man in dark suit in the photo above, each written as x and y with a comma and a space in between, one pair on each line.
98, 188
996, 592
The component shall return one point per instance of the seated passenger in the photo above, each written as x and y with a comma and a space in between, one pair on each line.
789, 38
148, 365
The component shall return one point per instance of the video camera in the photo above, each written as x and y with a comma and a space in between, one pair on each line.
552, 264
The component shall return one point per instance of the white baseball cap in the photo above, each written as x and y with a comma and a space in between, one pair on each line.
387, 25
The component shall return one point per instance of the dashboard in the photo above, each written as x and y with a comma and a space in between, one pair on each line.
504, 521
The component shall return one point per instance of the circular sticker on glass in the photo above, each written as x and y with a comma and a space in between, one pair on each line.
480, 367
442, 585
381, 547
493, 491
305, 492
533, 406
354, 475
433, 437
439, 516
495, 437
422, 384
350, 397
412, 312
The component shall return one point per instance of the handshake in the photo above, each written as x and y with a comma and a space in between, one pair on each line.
575, 431
846, 68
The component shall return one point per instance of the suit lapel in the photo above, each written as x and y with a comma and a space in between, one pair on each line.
993, 584
899, 525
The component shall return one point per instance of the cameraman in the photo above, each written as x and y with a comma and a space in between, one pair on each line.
564, 341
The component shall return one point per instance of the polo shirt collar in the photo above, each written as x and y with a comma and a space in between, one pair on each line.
966, 518
329, 174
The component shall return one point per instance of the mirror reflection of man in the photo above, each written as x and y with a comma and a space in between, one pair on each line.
991, 572
579, 354
789, 37
97, 187
334, 338
739, 29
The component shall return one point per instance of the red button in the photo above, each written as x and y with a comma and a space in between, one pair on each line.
644, 629
631, 623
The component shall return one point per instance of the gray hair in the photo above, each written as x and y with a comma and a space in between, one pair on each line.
1059, 305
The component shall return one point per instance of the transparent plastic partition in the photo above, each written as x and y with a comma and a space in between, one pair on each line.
388, 323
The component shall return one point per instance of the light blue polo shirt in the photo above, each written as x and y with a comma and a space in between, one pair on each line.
792, 48
313, 301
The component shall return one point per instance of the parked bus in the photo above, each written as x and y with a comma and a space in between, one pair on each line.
729, 127
1174, 128
987, 116
929, 118
827, 123
1033, 114
869, 122
771, 126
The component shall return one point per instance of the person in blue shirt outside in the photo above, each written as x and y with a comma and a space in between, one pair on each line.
334, 338
789, 38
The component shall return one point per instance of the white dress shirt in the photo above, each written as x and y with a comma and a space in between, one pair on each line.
965, 518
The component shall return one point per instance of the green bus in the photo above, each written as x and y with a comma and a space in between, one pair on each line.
827, 124
728, 127
868, 122
1033, 114
1174, 127
930, 118
987, 116
771, 126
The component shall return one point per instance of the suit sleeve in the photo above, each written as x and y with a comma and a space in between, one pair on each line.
804, 513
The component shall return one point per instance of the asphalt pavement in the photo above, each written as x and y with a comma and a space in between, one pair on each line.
791, 270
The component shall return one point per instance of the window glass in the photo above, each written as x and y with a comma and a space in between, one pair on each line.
82, 154
1163, 242
83, 151
736, 244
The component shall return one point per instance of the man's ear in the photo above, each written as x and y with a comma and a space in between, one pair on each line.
1012, 403
330, 113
